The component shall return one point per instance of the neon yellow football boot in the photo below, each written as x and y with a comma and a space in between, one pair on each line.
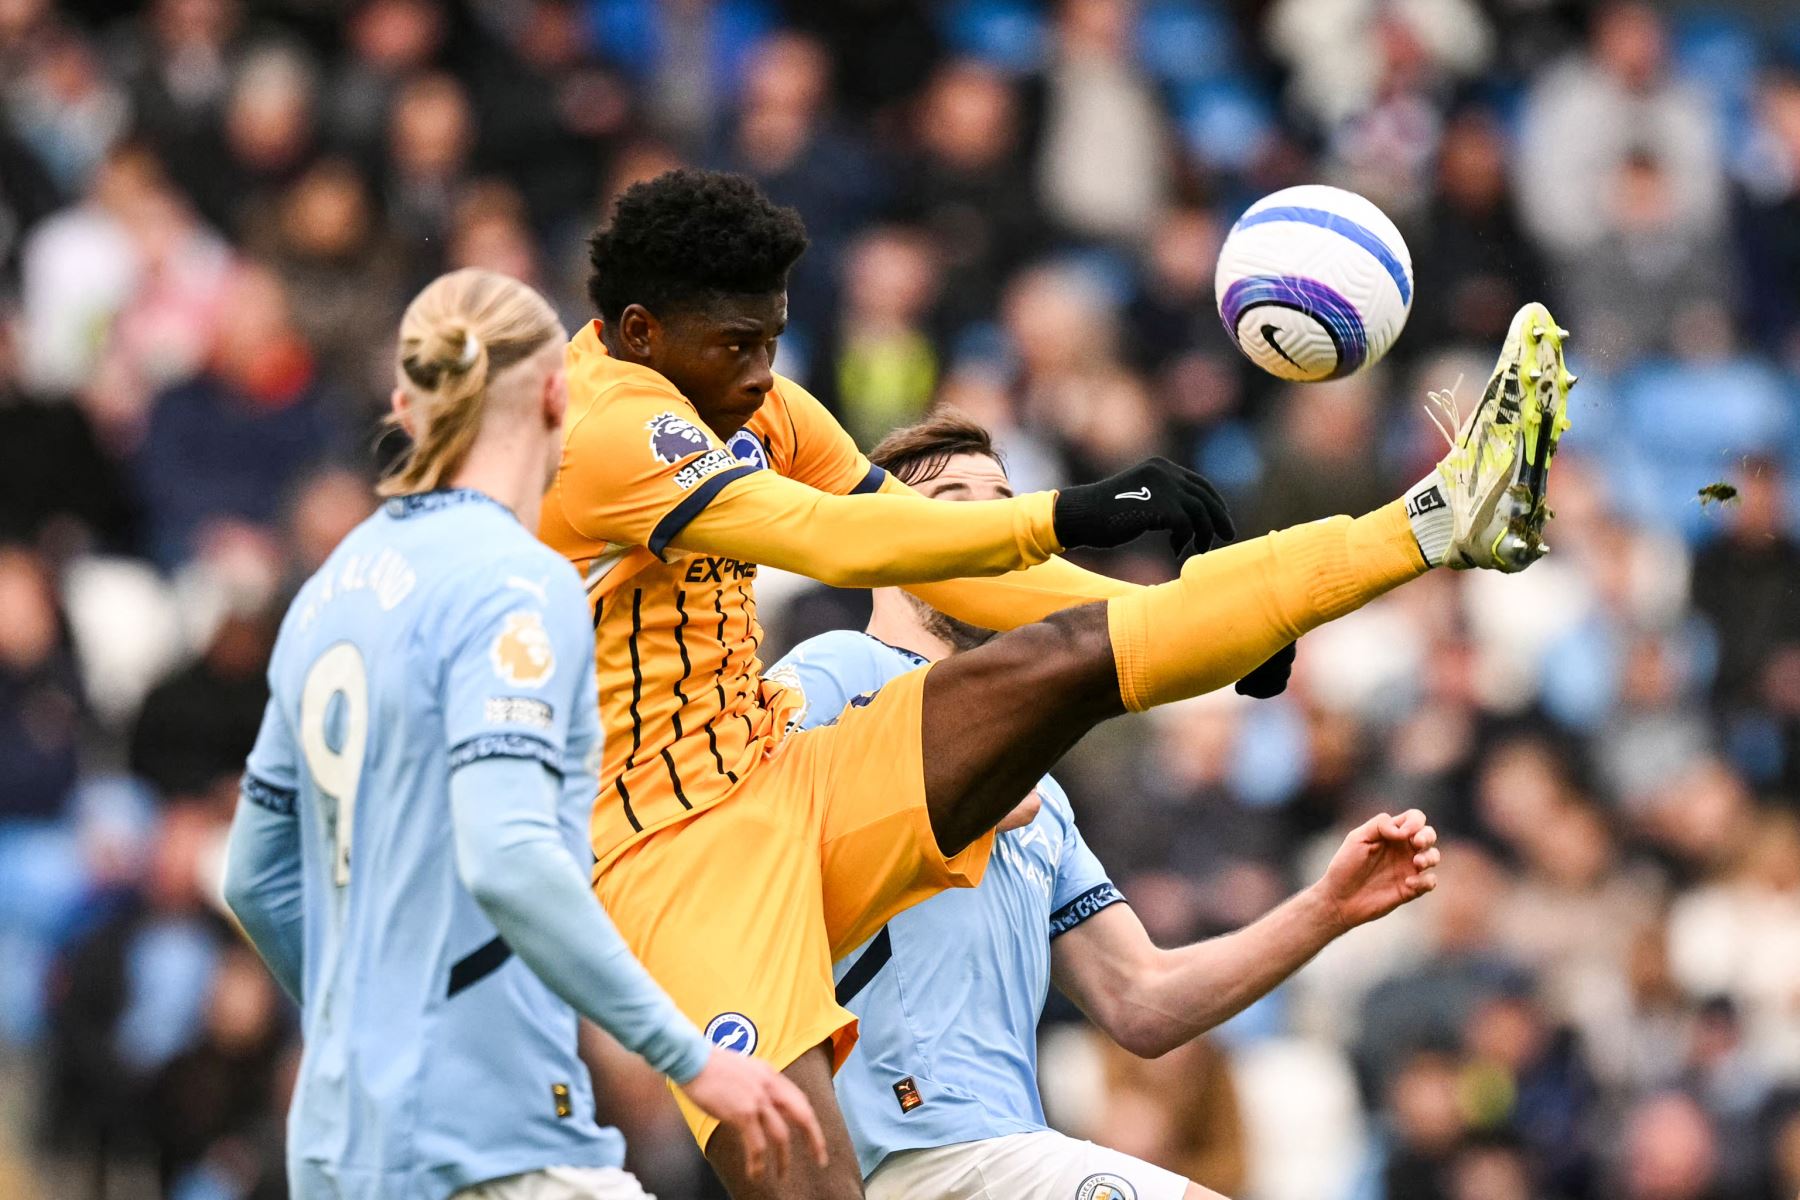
1493, 480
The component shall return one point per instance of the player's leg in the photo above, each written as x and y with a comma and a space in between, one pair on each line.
913, 781
724, 910
997, 717
840, 1179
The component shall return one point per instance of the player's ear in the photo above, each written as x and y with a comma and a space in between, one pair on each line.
639, 330
555, 398
402, 410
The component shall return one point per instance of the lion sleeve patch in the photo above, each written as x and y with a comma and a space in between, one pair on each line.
522, 654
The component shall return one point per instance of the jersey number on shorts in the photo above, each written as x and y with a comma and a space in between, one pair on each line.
334, 730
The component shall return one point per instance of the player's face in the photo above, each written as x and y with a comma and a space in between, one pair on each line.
969, 477
722, 356
964, 477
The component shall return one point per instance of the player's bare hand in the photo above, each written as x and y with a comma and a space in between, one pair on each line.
1384, 863
761, 1104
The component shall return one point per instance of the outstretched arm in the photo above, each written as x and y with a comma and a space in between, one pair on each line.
639, 470
1019, 597
892, 538
869, 539
1150, 1000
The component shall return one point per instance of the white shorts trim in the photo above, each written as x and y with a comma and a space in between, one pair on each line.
1045, 1165
560, 1183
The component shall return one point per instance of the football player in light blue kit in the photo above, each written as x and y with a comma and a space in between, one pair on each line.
941, 1090
409, 851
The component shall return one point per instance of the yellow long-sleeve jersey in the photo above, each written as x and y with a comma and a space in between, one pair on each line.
667, 524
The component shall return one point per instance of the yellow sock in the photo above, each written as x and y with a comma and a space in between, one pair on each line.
1233, 608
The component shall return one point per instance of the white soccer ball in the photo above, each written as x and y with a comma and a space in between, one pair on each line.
1314, 283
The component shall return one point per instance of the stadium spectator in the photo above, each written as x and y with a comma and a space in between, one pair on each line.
331, 245
228, 444
1471, 251
177, 63
550, 111
881, 368
1771, 226
430, 136
1586, 119
270, 135
1669, 1152
41, 703
1103, 143
387, 42
196, 727
966, 186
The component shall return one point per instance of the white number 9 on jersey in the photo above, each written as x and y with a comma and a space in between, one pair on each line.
336, 692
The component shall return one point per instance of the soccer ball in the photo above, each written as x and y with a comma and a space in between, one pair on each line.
1314, 283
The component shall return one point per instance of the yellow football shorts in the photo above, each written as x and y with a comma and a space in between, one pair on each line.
740, 911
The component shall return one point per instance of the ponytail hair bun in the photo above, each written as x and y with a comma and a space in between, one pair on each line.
464, 329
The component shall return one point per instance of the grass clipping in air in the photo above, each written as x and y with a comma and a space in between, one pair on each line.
1717, 493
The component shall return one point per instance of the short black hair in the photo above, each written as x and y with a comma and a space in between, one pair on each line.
916, 454
687, 236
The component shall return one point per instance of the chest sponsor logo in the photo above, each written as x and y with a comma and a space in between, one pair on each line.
521, 654
746, 447
717, 570
1105, 1187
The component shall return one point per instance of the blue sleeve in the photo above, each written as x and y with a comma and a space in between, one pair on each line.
512, 858
1082, 886
831, 670
513, 660
262, 860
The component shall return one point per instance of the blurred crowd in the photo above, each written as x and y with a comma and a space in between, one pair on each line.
212, 212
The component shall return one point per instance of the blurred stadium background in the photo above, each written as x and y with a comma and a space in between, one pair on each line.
212, 211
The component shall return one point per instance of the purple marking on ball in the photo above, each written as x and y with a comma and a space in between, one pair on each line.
1336, 315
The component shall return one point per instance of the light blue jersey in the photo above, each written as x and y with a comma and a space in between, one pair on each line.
440, 633
949, 993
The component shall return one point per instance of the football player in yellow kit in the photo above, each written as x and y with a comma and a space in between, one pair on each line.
738, 858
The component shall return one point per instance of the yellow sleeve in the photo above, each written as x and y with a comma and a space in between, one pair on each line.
1018, 597
868, 540
824, 454
638, 465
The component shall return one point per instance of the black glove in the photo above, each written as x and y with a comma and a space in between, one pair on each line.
1155, 494
1270, 679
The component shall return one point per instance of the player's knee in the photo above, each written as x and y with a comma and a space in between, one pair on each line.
1075, 650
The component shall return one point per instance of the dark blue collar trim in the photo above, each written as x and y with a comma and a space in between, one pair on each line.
918, 660
402, 507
